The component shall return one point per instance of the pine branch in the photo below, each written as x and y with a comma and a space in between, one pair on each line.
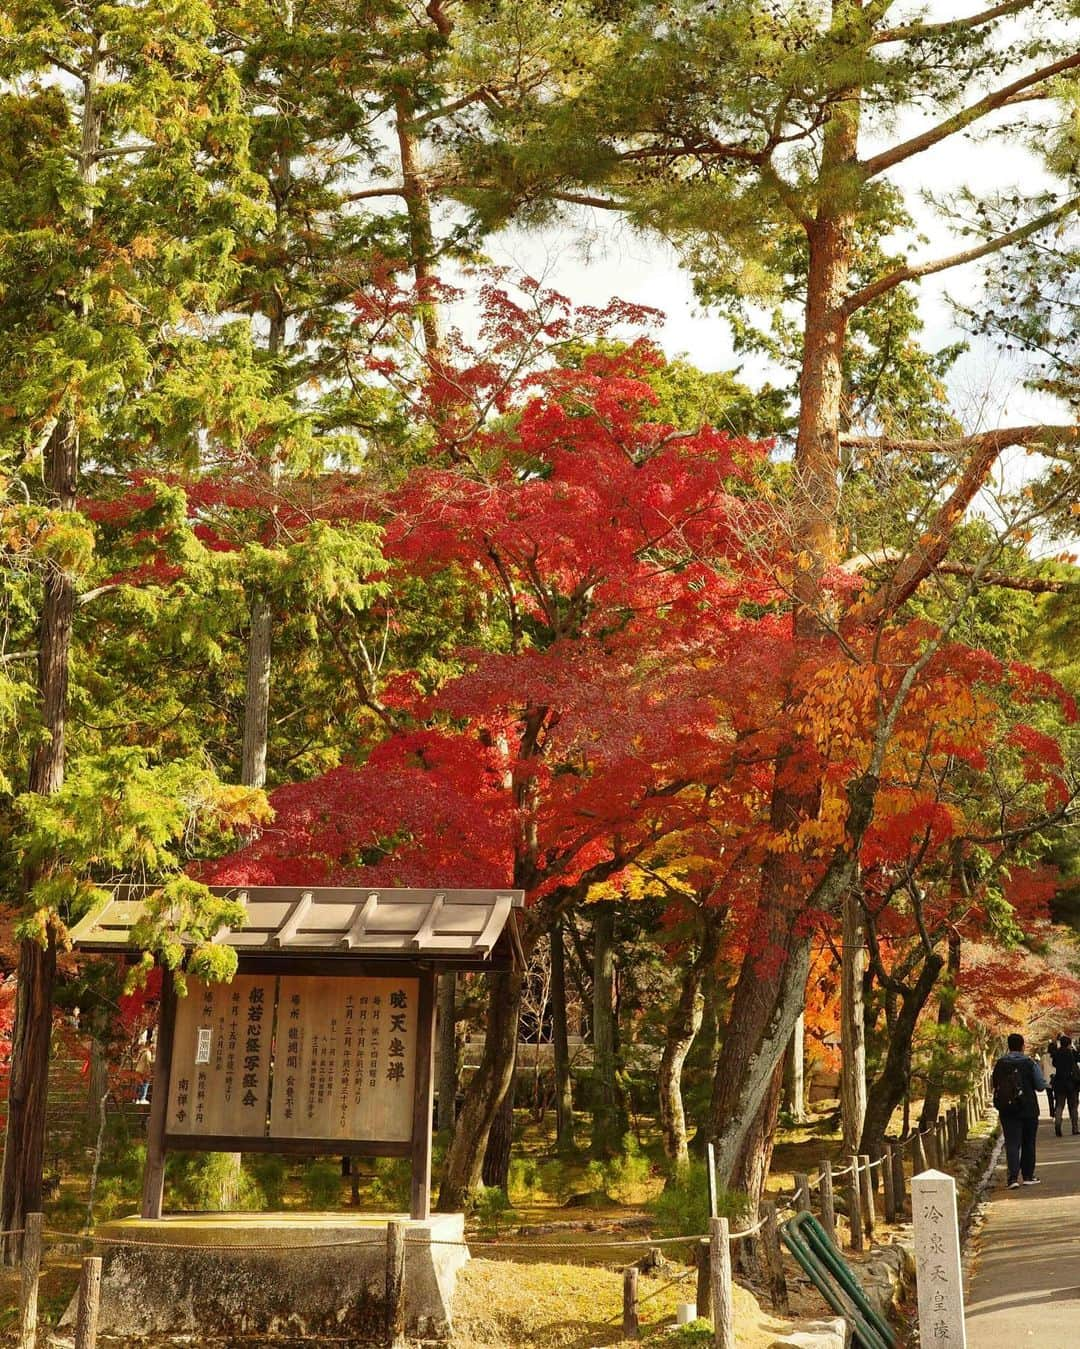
583, 199
911, 272
966, 116
367, 192
915, 32
1042, 436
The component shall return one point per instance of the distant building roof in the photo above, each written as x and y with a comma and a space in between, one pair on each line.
449, 926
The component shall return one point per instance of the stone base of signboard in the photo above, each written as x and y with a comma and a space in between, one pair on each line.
249, 1274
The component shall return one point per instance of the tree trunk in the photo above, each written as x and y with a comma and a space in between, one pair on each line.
447, 1080
257, 692
496, 1168
852, 1022
769, 993
946, 1010
462, 1168
888, 1088
682, 1028
421, 235
24, 1146
794, 1097
751, 1169
97, 1084
560, 1040
610, 1121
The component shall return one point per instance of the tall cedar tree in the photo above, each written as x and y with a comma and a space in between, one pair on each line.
124, 176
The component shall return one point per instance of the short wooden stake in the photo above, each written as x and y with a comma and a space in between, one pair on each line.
887, 1182
30, 1274
918, 1155
867, 1194
704, 1280
89, 1303
722, 1297
942, 1143
854, 1203
828, 1202
802, 1191
630, 1328
899, 1185
774, 1264
395, 1284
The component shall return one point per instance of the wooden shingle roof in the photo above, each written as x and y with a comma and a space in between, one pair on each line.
449, 926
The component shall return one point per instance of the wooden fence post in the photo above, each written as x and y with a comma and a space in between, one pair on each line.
888, 1183
942, 1143
802, 1191
30, 1274
774, 1264
630, 1328
704, 1280
854, 1203
828, 1202
867, 1190
722, 1298
918, 1154
395, 1284
899, 1186
89, 1302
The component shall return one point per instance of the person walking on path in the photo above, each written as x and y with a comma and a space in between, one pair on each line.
1066, 1082
1015, 1081
1046, 1063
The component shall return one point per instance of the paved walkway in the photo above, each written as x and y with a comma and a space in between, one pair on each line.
1025, 1283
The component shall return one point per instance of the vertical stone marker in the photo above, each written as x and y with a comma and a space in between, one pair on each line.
937, 1261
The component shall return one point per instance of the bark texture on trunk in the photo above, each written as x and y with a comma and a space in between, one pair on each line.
496, 1168
463, 1167
560, 1043
24, 1147
853, 962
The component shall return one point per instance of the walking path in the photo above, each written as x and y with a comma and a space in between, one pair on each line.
1025, 1285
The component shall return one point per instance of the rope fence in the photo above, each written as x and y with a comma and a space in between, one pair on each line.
714, 1249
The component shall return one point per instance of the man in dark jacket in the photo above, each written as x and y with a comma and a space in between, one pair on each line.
1015, 1080
1066, 1082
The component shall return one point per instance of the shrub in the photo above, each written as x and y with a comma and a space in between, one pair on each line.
321, 1184
390, 1186
269, 1173
682, 1207
492, 1207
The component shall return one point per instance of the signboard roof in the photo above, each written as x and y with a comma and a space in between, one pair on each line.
448, 926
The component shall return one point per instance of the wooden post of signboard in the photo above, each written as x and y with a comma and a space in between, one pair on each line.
423, 1098
154, 1174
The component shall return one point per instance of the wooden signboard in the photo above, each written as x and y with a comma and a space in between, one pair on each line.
319, 1058
346, 1058
220, 1080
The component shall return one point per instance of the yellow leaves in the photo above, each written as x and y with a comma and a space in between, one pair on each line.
238, 807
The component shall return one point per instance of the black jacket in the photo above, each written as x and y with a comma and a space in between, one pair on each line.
1031, 1081
1065, 1066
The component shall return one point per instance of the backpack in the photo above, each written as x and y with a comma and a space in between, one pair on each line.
1008, 1086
